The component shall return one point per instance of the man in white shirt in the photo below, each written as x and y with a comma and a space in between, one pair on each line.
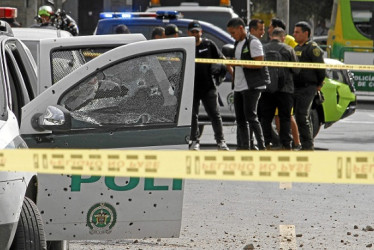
248, 83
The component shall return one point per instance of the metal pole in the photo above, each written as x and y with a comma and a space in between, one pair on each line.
248, 11
283, 12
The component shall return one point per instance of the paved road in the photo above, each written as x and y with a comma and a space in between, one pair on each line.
232, 215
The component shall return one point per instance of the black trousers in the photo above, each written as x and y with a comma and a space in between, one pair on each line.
268, 104
245, 103
210, 102
303, 103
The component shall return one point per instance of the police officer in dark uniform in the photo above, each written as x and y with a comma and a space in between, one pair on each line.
307, 82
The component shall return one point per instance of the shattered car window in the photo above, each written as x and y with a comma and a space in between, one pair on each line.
138, 91
66, 61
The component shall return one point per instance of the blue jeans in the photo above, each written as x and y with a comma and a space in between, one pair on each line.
303, 98
210, 102
245, 103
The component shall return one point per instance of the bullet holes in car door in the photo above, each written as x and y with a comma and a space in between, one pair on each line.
141, 91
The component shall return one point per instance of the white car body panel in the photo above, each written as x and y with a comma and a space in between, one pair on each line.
141, 207
13, 185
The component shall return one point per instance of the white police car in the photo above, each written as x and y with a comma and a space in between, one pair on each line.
134, 96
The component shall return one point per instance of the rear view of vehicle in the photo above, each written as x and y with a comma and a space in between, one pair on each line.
340, 98
21, 226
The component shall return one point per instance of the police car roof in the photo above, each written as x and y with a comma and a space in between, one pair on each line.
39, 33
195, 8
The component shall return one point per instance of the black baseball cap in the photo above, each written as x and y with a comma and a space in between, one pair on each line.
171, 29
194, 25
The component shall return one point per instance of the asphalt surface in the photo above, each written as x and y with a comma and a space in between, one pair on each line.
263, 215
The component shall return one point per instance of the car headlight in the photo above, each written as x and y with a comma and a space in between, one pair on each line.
17, 142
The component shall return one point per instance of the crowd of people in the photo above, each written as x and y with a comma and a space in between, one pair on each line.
255, 104
256, 101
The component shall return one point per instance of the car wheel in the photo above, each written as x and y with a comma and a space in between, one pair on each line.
58, 245
30, 231
315, 122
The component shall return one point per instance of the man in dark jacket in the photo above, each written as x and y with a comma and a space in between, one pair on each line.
205, 89
249, 81
307, 82
283, 95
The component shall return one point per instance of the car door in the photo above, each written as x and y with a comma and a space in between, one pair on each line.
135, 96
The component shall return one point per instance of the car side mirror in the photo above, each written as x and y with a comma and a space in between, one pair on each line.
54, 118
228, 51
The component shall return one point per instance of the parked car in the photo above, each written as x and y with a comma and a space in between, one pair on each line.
217, 15
21, 225
125, 92
340, 98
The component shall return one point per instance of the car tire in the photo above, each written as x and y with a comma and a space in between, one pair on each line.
58, 245
30, 231
315, 122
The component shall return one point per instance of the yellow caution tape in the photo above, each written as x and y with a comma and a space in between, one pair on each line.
286, 64
268, 63
282, 166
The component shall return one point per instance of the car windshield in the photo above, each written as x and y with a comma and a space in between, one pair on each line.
142, 90
219, 19
67, 60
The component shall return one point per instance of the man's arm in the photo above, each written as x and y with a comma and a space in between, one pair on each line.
294, 58
317, 57
257, 53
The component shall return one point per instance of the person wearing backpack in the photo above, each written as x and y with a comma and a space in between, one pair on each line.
205, 88
280, 91
249, 81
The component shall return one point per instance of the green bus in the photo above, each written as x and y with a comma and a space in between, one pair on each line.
350, 38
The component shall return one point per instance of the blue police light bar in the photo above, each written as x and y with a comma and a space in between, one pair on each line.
105, 15
167, 14
126, 15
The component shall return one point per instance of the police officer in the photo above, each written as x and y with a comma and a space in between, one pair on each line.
307, 82
44, 18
